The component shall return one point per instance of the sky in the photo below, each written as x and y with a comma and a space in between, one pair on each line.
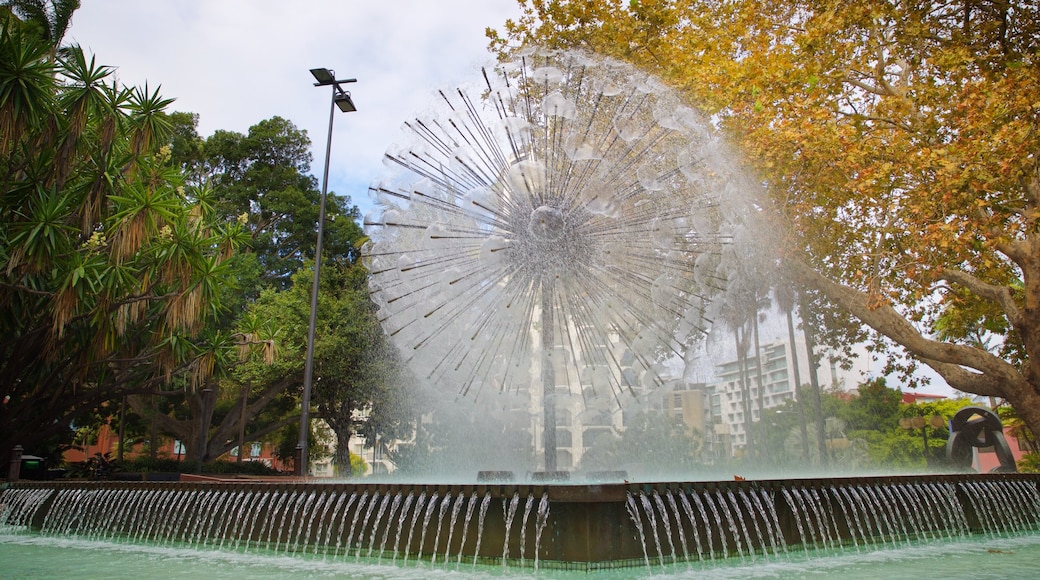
238, 62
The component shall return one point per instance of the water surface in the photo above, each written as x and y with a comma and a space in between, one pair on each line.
26, 555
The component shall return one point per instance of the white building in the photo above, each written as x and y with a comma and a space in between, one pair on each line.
734, 393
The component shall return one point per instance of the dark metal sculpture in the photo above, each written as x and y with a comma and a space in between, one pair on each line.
978, 427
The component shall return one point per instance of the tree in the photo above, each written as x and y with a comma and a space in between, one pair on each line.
876, 406
462, 436
873, 417
357, 384
264, 178
259, 180
242, 402
789, 447
50, 22
747, 297
111, 266
357, 380
879, 417
898, 144
785, 300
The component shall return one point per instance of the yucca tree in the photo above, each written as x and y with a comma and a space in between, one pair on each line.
110, 266
49, 19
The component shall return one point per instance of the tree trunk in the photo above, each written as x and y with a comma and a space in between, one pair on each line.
122, 429
745, 388
206, 398
242, 425
814, 381
341, 459
758, 368
799, 400
153, 439
220, 439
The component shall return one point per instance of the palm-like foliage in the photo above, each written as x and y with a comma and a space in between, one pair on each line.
26, 81
110, 267
50, 19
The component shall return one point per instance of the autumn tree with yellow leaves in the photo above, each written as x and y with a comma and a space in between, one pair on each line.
899, 142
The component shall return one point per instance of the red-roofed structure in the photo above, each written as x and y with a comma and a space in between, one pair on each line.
911, 398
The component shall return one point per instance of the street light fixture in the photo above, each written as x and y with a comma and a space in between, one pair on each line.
344, 103
341, 100
324, 76
340, 97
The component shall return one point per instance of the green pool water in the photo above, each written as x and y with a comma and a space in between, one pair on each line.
24, 555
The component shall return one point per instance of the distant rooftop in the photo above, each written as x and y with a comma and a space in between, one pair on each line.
921, 397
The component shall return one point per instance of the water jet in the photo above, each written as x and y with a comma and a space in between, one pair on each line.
549, 525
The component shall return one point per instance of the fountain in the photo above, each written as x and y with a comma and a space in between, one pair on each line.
574, 227
572, 224
575, 527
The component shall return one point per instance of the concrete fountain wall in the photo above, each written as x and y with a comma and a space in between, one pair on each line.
588, 527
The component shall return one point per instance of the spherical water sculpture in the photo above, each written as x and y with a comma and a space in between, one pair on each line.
561, 226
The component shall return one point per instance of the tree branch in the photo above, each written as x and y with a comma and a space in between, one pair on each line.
219, 448
964, 380
229, 425
998, 294
864, 86
165, 423
885, 320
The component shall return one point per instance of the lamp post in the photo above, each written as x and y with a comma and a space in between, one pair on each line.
341, 100
204, 426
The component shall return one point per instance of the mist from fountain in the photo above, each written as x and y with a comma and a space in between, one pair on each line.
557, 235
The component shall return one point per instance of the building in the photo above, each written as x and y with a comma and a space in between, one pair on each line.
692, 405
107, 443
911, 398
736, 395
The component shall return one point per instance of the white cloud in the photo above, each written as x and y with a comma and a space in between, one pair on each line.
237, 62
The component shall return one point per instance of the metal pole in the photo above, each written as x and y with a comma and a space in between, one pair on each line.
203, 428
548, 378
242, 425
300, 467
122, 429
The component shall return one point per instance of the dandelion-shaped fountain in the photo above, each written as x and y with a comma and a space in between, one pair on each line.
566, 222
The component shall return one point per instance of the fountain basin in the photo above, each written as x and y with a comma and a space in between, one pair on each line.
582, 527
